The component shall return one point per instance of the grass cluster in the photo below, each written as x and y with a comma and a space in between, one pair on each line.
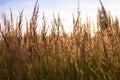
60, 56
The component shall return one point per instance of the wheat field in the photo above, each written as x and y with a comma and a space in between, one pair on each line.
34, 55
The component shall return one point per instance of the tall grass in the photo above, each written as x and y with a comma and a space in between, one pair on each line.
60, 56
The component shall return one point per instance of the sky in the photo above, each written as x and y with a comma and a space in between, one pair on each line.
65, 8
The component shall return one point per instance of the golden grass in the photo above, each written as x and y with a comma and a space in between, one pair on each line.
59, 56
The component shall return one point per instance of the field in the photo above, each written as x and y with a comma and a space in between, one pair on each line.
33, 55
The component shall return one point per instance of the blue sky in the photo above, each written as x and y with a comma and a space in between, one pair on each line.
65, 7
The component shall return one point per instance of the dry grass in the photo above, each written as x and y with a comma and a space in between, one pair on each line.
59, 56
